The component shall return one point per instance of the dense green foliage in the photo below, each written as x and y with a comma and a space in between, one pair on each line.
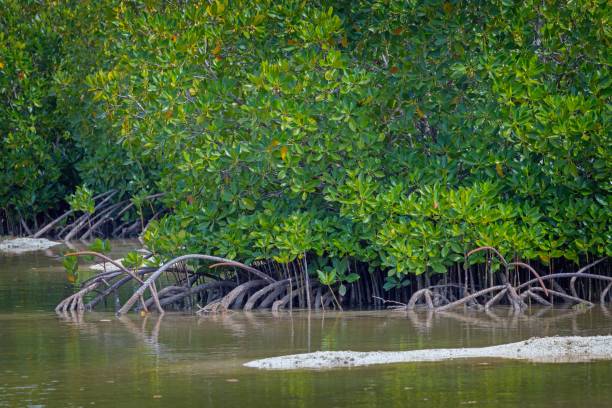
395, 133
34, 145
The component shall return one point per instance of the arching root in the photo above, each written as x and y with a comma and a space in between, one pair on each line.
224, 304
288, 298
75, 301
275, 288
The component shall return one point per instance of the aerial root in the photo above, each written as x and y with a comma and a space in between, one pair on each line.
288, 298
84, 226
261, 291
75, 301
273, 290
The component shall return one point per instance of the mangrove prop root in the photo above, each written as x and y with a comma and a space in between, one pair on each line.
508, 265
107, 291
487, 248
473, 296
264, 291
539, 299
582, 270
195, 290
602, 299
416, 297
256, 289
102, 218
134, 276
127, 306
71, 234
228, 299
394, 304
50, 225
533, 271
242, 266
75, 301
496, 299
288, 298
565, 296
515, 299
268, 300
565, 275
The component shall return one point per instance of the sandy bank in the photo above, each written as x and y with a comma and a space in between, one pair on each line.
547, 349
20, 245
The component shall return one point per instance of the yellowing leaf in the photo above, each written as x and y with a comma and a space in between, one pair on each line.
220, 6
283, 152
448, 8
344, 41
217, 49
258, 19
420, 113
1, 64
499, 169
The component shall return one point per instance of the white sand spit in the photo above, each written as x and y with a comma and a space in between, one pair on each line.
546, 349
21, 245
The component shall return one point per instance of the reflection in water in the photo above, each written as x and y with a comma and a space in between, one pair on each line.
77, 359
188, 359
240, 325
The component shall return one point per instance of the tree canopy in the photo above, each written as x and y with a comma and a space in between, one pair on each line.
399, 134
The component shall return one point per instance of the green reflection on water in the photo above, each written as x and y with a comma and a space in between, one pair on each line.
183, 360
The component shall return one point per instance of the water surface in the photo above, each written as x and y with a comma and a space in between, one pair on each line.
185, 360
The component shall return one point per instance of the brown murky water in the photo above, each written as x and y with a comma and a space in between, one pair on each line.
184, 360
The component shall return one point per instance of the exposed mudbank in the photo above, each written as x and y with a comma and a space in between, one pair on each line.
21, 245
546, 349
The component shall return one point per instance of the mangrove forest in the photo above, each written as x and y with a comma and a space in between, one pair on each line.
312, 154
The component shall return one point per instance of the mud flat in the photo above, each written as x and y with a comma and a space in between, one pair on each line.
545, 350
21, 245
